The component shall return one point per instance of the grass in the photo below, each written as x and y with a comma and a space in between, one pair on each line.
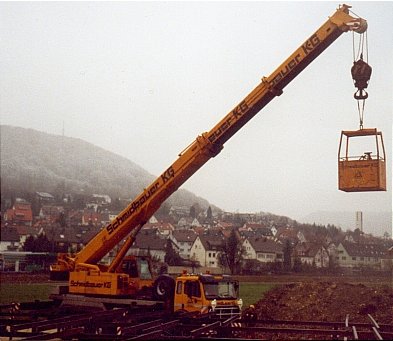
21, 292
252, 292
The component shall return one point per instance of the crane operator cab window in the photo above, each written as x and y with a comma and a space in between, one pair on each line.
144, 269
137, 268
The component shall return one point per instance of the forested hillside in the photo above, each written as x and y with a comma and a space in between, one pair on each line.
36, 161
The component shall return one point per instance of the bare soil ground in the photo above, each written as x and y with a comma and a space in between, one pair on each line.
327, 301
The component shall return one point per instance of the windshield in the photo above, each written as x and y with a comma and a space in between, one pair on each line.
144, 271
221, 290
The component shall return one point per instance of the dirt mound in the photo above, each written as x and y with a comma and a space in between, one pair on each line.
327, 301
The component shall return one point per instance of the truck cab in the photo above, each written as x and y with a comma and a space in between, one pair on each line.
217, 295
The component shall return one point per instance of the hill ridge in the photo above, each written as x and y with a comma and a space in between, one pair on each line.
37, 161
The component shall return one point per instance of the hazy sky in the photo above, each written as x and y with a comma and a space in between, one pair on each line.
143, 79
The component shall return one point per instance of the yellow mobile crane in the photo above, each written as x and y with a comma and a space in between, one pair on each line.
88, 277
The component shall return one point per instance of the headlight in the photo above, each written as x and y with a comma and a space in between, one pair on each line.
214, 304
240, 303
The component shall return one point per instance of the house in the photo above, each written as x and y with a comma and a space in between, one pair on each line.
101, 199
153, 220
51, 213
332, 250
149, 243
352, 255
312, 254
44, 197
179, 211
184, 239
9, 239
263, 249
20, 213
186, 222
91, 217
25, 231
262, 233
261, 229
289, 233
207, 248
224, 226
59, 238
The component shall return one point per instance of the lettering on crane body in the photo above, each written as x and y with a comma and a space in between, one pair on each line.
165, 177
235, 115
88, 284
307, 47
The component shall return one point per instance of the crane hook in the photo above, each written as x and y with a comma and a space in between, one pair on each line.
361, 73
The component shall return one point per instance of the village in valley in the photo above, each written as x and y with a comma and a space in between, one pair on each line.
220, 242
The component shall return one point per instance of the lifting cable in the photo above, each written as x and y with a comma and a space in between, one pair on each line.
361, 72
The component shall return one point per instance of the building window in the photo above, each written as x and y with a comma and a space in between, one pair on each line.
353, 258
344, 258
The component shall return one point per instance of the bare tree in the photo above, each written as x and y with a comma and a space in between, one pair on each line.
232, 253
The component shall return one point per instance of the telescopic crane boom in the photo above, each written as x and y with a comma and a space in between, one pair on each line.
207, 145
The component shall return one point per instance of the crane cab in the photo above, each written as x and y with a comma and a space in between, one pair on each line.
361, 163
217, 295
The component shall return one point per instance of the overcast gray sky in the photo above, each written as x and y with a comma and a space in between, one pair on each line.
143, 79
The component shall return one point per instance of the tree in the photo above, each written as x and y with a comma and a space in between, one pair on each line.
192, 212
209, 213
297, 265
238, 220
171, 256
232, 253
37, 244
62, 219
287, 251
29, 244
195, 210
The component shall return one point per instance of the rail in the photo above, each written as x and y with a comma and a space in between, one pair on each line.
135, 323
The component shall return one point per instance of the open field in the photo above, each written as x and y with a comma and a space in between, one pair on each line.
18, 287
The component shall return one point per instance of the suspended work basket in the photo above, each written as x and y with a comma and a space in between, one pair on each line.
361, 171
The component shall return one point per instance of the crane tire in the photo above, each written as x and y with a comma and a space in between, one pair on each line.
164, 288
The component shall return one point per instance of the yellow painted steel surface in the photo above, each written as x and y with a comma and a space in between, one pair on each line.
362, 175
93, 283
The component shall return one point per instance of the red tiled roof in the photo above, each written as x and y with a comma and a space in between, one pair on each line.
20, 214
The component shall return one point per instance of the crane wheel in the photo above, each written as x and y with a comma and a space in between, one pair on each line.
164, 288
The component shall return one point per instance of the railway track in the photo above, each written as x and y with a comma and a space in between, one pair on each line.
46, 321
